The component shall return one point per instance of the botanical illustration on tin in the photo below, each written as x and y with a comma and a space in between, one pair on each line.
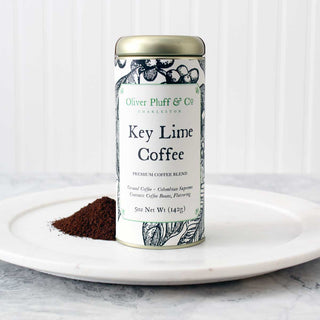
166, 71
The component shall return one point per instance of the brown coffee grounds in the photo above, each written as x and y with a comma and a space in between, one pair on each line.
97, 221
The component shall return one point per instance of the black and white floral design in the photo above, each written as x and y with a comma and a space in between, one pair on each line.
165, 71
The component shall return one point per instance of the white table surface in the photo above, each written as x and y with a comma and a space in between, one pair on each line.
293, 293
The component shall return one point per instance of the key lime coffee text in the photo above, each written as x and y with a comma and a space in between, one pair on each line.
164, 133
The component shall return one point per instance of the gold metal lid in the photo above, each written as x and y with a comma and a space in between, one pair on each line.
160, 46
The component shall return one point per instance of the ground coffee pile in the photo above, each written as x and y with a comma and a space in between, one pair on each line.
97, 221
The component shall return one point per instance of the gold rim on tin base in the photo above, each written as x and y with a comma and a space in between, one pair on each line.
159, 247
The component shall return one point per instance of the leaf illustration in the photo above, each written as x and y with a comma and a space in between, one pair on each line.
122, 63
117, 87
152, 233
202, 63
194, 232
172, 230
157, 234
134, 76
120, 82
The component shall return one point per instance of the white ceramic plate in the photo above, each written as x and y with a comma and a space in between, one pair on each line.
248, 232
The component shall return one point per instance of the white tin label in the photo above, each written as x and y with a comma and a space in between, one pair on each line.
159, 152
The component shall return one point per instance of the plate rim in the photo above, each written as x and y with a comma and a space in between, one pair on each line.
204, 275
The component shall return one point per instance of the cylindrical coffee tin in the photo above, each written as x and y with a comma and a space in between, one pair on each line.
160, 88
